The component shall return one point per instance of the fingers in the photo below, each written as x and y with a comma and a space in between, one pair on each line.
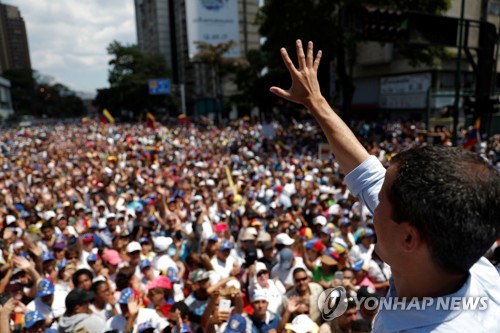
300, 54
280, 92
310, 56
317, 60
288, 62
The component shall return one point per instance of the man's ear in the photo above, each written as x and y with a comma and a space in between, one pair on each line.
412, 238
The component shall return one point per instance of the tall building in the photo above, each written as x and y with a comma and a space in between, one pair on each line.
5, 99
14, 51
167, 27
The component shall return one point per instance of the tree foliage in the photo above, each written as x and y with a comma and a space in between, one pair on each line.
31, 95
128, 76
282, 22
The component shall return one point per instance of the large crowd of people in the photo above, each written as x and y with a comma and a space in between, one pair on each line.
188, 228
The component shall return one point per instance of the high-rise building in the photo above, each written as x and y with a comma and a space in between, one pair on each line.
14, 50
162, 28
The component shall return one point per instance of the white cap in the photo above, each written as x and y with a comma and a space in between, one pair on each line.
79, 206
133, 246
111, 216
10, 219
48, 215
302, 324
260, 266
320, 219
309, 178
264, 237
284, 239
162, 243
334, 209
252, 231
210, 182
259, 294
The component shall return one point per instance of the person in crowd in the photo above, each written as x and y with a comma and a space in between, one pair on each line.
411, 236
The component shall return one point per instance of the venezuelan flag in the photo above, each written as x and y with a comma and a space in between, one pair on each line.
183, 119
150, 120
106, 117
473, 136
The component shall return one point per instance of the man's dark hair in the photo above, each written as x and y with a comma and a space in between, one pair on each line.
123, 277
80, 272
298, 270
182, 307
453, 198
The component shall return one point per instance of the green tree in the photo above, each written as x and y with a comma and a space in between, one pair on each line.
282, 22
128, 77
31, 96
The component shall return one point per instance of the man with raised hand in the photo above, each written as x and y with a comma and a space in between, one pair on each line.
436, 212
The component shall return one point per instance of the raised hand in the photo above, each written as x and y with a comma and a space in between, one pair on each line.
305, 85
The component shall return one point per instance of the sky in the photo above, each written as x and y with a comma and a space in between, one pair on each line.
68, 38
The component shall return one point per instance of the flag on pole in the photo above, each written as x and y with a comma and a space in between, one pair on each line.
150, 120
473, 136
106, 117
183, 119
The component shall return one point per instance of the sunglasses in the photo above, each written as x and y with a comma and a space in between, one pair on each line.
301, 280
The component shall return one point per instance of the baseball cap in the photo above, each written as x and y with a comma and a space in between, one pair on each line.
143, 240
225, 245
112, 257
267, 245
143, 327
45, 287
126, 294
358, 264
236, 324
162, 243
133, 247
47, 256
32, 318
62, 264
10, 219
144, 263
260, 266
284, 239
160, 282
258, 295
247, 236
77, 296
87, 238
301, 324
320, 219
286, 258
92, 257
199, 275
345, 221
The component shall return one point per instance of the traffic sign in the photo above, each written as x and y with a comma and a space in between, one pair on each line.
159, 86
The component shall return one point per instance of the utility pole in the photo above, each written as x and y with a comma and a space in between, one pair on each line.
458, 74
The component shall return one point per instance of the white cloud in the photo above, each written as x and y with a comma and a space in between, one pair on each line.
68, 38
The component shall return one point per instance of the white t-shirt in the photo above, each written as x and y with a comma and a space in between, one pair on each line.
118, 322
359, 251
223, 269
274, 292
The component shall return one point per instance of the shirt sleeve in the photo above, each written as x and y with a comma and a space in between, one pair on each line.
366, 180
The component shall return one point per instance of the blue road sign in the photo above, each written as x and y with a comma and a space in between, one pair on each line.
159, 86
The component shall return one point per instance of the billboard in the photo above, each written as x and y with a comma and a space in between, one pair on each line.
213, 22
159, 86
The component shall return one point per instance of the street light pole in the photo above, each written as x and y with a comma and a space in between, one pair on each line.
458, 74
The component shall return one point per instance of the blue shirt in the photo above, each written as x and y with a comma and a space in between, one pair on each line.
365, 181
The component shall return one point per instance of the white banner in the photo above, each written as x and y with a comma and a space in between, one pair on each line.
213, 22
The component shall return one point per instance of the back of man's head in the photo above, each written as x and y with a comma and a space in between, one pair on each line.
453, 198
